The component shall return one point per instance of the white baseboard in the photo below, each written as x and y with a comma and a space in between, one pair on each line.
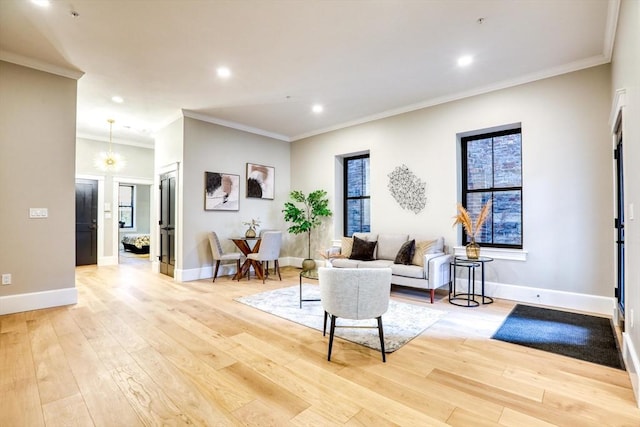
38, 300
560, 299
203, 272
226, 269
632, 363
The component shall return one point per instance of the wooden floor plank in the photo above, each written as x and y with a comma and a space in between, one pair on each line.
53, 373
99, 391
183, 393
68, 411
323, 402
141, 349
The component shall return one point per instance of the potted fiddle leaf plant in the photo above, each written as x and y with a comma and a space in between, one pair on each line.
306, 213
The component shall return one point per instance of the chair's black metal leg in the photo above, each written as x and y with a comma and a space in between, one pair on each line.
324, 327
238, 269
333, 328
384, 358
265, 271
215, 273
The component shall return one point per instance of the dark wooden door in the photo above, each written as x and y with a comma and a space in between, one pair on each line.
167, 255
86, 222
619, 224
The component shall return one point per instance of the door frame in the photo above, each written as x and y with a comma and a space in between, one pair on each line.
115, 230
616, 119
155, 227
101, 230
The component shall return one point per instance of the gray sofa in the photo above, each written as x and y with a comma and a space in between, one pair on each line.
433, 274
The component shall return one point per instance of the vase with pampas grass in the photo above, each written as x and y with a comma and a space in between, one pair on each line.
472, 227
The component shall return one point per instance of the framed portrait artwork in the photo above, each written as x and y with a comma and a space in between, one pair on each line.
221, 191
260, 181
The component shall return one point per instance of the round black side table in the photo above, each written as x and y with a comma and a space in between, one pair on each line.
468, 299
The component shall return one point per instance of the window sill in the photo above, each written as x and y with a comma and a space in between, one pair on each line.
496, 253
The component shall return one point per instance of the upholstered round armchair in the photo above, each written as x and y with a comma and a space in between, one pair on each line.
354, 293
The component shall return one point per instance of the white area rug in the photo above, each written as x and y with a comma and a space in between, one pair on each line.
401, 323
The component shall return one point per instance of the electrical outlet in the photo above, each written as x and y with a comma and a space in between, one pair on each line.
6, 279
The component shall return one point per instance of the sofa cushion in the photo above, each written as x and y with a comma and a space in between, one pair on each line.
362, 249
424, 246
389, 245
345, 263
405, 254
414, 271
369, 237
437, 247
347, 246
378, 263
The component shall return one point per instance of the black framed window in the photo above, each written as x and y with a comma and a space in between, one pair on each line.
357, 203
492, 169
126, 206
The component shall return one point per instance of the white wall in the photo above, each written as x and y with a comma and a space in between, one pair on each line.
567, 179
626, 77
37, 162
213, 148
198, 147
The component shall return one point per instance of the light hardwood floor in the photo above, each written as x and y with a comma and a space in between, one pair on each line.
139, 349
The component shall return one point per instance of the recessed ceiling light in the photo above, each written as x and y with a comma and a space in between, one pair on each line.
463, 61
41, 3
317, 108
117, 99
223, 72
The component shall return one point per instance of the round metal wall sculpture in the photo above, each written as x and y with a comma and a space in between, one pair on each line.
408, 190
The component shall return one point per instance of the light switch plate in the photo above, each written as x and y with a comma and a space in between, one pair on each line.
38, 213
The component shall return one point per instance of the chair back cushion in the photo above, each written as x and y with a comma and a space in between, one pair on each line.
214, 242
355, 293
270, 245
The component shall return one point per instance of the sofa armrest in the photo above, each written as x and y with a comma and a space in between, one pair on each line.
438, 269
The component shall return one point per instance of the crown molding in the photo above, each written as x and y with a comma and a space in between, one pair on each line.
234, 125
613, 12
40, 65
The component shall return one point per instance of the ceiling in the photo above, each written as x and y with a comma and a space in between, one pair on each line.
360, 59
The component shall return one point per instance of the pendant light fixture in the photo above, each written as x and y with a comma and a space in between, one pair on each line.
108, 161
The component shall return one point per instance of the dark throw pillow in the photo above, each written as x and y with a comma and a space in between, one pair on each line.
362, 250
405, 254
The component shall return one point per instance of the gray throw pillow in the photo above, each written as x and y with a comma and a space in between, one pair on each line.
405, 254
362, 250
